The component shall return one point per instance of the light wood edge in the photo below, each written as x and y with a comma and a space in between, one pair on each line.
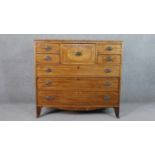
81, 76
36, 77
80, 41
79, 107
96, 56
120, 78
60, 51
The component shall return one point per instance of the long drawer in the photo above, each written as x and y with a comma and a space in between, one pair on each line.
75, 98
74, 70
81, 84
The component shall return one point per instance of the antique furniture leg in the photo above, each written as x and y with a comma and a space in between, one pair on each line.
38, 111
116, 109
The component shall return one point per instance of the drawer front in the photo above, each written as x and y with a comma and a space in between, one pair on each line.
57, 84
81, 84
75, 98
108, 49
48, 58
78, 53
45, 47
74, 71
108, 59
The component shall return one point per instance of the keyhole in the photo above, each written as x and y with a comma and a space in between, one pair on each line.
78, 67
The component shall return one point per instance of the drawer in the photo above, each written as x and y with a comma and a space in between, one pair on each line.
108, 48
48, 58
81, 84
46, 47
78, 53
74, 71
108, 59
75, 98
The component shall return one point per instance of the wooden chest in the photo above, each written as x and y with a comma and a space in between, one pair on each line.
78, 75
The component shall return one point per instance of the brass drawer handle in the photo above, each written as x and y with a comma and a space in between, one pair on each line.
48, 70
106, 98
109, 48
107, 84
48, 83
48, 58
109, 58
49, 98
78, 53
48, 48
107, 70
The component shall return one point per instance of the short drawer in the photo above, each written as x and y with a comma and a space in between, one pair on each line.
108, 59
78, 53
75, 98
48, 58
74, 71
108, 49
80, 84
46, 47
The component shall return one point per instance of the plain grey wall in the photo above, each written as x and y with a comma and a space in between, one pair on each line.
17, 66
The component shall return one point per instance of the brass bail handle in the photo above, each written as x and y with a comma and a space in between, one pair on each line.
48, 83
78, 53
107, 70
106, 98
109, 58
107, 84
47, 48
47, 58
48, 98
109, 48
48, 70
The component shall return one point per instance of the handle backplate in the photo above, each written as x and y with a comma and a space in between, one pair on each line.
48, 83
109, 48
77, 53
106, 98
48, 70
107, 84
47, 48
108, 58
49, 98
48, 58
107, 70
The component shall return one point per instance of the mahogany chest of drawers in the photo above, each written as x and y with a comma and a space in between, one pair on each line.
78, 75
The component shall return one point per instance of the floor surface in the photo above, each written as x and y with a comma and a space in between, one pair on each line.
128, 112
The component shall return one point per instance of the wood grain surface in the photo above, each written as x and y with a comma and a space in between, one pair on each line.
78, 74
